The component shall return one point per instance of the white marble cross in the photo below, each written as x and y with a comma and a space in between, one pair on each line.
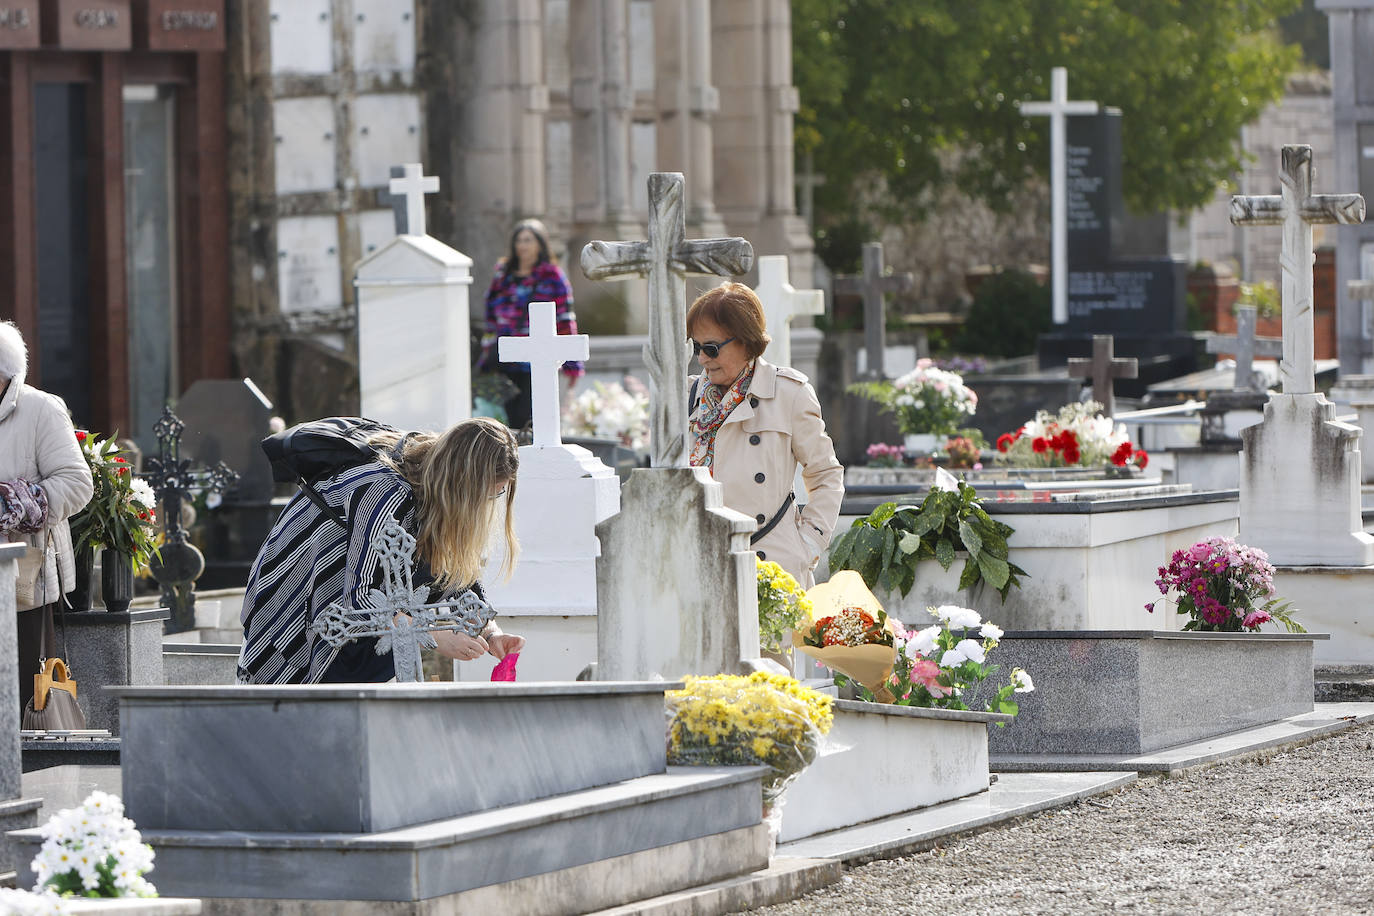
1362, 291
1246, 346
781, 302
1102, 368
1058, 108
1297, 209
666, 259
874, 286
412, 187
546, 351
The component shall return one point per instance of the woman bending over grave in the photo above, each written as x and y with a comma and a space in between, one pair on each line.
44, 480
446, 490
528, 273
753, 424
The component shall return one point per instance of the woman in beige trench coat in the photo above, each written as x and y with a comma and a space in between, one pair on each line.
753, 424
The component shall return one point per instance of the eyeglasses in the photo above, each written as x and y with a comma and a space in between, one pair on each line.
712, 350
499, 493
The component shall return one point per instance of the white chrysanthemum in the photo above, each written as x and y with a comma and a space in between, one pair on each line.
1022, 680
991, 631
924, 640
964, 650
141, 493
958, 617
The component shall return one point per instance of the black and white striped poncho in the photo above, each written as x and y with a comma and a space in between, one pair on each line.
308, 562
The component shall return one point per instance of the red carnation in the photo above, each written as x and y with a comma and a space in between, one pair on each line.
1071, 455
1039, 445
1141, 458
80, 435
1122, 454
1004, 441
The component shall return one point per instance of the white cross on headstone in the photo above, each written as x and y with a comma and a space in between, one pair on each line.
412, 187
874, 286
781, 302
1246, 346
666, 259
1058, 108
1102, 368
1297, 209
1362, 291
546, 351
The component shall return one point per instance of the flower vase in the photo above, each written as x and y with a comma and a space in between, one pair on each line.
919, 443
80, 595
116, 580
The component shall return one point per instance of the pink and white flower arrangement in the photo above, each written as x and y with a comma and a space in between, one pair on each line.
1223, 586
927, 399
882, 455
619, 412
93, 851
942, 664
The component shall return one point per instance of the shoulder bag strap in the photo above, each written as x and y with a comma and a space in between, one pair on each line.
773, 522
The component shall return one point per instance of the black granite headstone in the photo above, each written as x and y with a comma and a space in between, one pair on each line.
1093, 167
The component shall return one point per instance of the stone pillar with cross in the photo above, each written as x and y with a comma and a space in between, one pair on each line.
564, 491
1301, 468
873, 285
413, 344
675, 582
1104, 368
178, 563
1058, 108
781, 303
1245, 346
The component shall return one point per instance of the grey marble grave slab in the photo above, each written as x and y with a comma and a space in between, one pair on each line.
110, 649
195, 663
368, 758
1132, 691
459, 854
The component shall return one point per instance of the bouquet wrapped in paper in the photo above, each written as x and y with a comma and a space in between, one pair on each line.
737, 720
848, 630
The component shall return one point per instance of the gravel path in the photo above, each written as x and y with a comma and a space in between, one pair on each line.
1293, 833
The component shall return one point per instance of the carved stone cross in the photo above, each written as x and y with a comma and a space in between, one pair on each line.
781, 302
546, 351
1362, 291
1246, 346
1102, 369
666, 259
1058, 108
1297, 209
873, 286
402, 618
408, 196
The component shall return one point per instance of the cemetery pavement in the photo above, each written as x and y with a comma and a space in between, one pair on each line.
1288, 833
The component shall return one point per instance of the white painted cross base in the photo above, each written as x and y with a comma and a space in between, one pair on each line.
1300, 485
676, 589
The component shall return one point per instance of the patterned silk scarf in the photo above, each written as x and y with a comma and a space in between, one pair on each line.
714, 407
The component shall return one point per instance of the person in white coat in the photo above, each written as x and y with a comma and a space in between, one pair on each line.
44, 480
753, 424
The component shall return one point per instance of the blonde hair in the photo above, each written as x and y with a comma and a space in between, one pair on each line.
453, 475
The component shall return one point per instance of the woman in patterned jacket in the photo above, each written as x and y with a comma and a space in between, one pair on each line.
446, 490
528, 273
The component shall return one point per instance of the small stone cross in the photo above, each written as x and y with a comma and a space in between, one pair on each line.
546, 351
1058, 108
666, 259
402, 618
1246, 346
1102, 369
1362, 291
873, 286
408, 196
1297, 209
780, 303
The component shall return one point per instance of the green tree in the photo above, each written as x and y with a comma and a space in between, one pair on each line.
904, 96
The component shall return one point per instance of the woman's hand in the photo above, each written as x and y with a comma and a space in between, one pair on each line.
460, 646
502, 644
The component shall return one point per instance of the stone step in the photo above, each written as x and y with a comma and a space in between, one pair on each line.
1343, 683
599, 847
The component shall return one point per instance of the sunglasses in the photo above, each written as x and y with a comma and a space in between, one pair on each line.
712, 350
499, 493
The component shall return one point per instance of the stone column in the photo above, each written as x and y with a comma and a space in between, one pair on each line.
15, 813
687, 103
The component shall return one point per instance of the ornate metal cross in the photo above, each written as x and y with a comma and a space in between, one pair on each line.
873, 285
1246, 346
1102, 368
401, 617
666, 259
178, 563
1297, 209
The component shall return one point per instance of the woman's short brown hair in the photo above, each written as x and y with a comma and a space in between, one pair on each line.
738, 310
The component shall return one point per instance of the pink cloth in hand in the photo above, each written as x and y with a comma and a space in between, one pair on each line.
505, 668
